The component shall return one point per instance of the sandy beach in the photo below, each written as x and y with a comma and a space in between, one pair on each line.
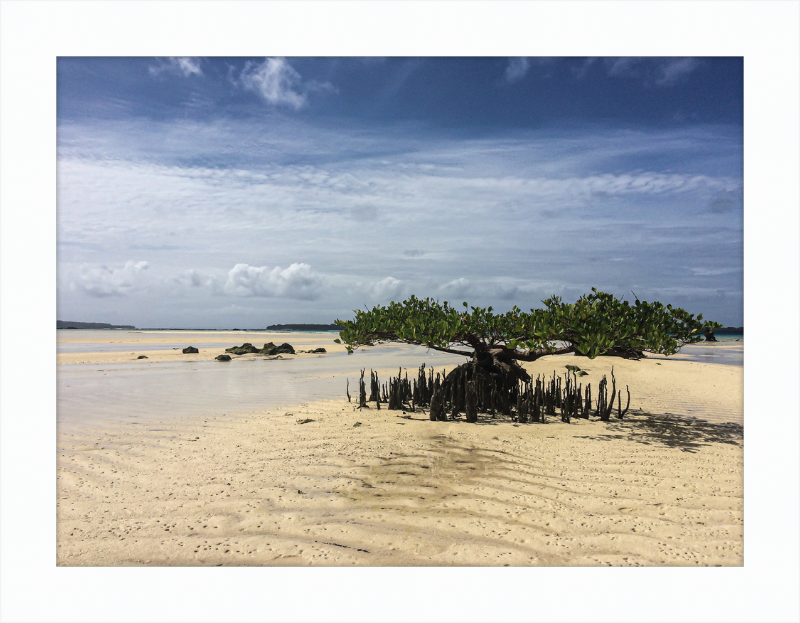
323, 483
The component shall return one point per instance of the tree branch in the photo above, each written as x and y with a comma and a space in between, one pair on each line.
452, 351
533, 355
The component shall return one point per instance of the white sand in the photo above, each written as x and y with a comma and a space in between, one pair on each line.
657, 488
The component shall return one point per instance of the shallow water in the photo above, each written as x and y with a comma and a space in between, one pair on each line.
114, 341
97, 394
123, 347
726, 352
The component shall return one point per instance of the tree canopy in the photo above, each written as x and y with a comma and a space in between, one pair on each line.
597, 324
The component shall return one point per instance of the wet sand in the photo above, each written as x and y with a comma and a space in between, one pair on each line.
325, 484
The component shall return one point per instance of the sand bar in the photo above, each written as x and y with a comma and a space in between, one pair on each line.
307, 484
86, 347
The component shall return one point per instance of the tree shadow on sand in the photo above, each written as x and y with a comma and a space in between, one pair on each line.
689, 434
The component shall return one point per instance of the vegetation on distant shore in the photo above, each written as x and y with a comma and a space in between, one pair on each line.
71, 324
302, 327
729, 331
597, 324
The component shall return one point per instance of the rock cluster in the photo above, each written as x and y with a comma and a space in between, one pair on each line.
269, 349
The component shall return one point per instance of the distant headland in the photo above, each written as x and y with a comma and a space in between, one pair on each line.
730, 331
71, 324
303, 327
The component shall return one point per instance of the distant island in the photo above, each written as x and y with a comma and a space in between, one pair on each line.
71, 324
730, 331
303, 327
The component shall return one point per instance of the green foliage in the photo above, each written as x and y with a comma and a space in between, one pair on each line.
596, 324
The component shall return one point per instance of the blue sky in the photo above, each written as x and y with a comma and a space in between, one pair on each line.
222, 192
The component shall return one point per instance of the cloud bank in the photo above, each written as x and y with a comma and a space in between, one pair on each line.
508, 219
298, 281
102, 281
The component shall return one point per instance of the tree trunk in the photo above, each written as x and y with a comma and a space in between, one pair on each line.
482, 385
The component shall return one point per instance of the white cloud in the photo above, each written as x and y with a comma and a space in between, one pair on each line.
661, 72
456, 287
623, 67
713, 272
193, 278
298, 281
309, 193
517, 68
388, 288
181, 65
581, 70
674, 70
101, 281
279, 83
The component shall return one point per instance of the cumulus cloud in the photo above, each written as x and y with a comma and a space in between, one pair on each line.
195, 279
507, 291
298, 281
274, 80
456, 287
181, 65
278, 83
517, 68
388, 288
102, 281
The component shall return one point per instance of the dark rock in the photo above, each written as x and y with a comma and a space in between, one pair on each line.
222, 358
284, 348
142, 357
269, 349
189, 350
317, 350
244, 349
